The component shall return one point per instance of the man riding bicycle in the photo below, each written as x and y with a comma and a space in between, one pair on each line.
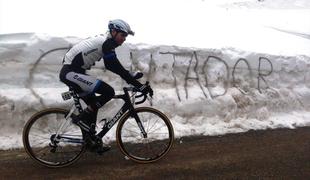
82, 57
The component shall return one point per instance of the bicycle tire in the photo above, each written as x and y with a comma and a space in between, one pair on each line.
140, 149
38, 126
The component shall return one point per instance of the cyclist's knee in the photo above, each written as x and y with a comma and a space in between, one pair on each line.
105, 90
106, 94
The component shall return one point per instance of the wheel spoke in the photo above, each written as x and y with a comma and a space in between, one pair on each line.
132, 125
39, 143
132, 131
153, 124
164, 125
37, 135
40, 129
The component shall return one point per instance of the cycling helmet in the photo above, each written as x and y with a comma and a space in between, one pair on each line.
120, 25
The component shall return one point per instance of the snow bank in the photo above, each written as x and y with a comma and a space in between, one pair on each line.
203, 91
266, 4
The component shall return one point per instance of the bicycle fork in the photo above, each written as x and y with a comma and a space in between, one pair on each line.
140, 125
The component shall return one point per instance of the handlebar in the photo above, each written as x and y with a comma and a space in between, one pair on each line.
143, 100
135, 90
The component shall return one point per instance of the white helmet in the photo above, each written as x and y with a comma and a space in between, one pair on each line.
120, 25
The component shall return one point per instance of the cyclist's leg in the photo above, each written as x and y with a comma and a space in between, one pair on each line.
72, 77
104, 94
88, 85
88, 100
62, 76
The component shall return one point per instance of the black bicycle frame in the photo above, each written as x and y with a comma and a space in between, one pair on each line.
110, 123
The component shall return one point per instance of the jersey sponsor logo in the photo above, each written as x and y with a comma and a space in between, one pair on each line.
82, 80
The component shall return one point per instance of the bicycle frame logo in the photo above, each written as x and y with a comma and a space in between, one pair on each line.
115, 119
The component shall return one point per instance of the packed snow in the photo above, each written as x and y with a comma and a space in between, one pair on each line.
254, 76
209, 98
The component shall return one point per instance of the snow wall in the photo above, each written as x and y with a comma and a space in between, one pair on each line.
202, 91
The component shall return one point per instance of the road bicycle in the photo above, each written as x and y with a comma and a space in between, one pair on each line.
143, 134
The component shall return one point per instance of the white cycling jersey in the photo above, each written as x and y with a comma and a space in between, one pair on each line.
91, 50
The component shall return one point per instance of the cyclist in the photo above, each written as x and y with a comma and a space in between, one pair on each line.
82, 57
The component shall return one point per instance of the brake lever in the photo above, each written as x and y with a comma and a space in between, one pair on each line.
142, 94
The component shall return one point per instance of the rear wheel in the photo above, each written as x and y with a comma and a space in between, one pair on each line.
138, 147
51, 139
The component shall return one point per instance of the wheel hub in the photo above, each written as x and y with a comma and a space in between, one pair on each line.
53, 143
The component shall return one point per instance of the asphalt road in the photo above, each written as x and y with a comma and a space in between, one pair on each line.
268, 154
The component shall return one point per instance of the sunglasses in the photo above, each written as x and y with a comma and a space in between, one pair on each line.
123, 34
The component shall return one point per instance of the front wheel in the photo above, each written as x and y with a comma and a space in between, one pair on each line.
51, 139
149, 147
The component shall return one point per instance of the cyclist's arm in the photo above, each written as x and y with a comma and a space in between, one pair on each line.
112, 63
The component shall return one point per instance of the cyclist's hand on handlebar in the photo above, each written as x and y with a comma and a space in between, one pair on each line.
146, 89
